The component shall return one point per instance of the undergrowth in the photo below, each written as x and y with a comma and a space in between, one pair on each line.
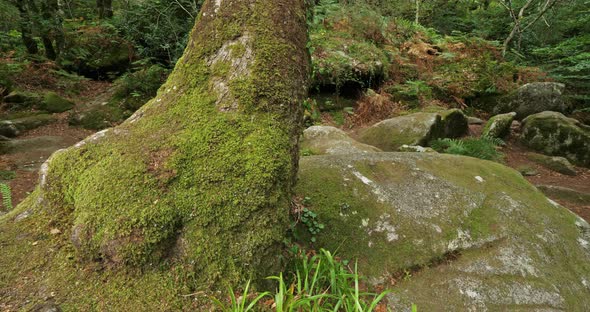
6, 196
482, 148
318, 283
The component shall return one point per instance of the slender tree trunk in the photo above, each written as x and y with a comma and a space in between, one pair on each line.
26, 27
202, 175
105, 8
417, 19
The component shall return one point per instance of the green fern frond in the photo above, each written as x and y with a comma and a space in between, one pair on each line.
6, 196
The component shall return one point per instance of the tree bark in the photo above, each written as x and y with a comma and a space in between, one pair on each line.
105, 8
202, 175
26, 27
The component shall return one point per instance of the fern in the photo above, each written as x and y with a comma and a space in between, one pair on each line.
483, 148
6, 196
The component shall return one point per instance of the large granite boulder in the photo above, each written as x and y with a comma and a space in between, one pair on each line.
530, 99
413, 129
455, 123
320, 140
552, 133
555, 163
482, 238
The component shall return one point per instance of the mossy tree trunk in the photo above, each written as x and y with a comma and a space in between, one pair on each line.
202, 175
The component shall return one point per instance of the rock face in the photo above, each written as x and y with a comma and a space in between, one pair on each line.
414, 129
12, 128
320, 140
530, 99
54, 103
552, 133
47, 144
555, 163
455, 123
499, 126
483, 237
564, 193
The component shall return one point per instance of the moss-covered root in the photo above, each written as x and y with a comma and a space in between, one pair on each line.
200, 176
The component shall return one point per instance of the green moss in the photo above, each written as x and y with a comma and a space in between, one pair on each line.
53, 103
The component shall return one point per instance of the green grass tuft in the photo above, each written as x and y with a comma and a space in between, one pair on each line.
482, 148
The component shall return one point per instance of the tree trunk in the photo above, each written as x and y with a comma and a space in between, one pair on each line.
105, 8
417, 18
26, 28
202, 175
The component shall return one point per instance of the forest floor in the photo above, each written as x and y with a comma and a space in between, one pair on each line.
26, 164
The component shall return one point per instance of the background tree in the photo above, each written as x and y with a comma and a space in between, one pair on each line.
105, 8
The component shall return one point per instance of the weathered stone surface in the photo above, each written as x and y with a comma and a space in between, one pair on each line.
20, 100
530, 99
564, 193
499, 125
555, 163
54, 103
455, 123
413, 129
42, 143
484, 238
416, 149
474, 121
527, 171
15, 97
12, 128
552, 133
320, 140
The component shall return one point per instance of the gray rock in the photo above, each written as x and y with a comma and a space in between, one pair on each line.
414, 129
54, 103
19, 100
534, 98
15, 97
455, 123
474, 121
527, 171
552, 133
483, 237
416, 149
12, 128
564, 193
499, 126
320, 140
47, 144
555, 163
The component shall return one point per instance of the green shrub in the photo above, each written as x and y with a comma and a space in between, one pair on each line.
483, 148
134, 89
158, 29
